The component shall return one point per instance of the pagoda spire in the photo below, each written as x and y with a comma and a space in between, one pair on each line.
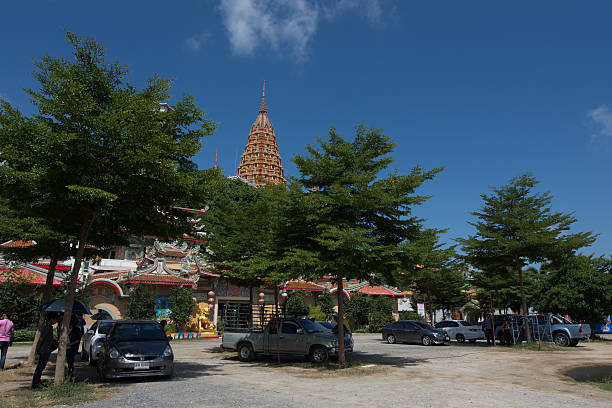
261, 162
262, 106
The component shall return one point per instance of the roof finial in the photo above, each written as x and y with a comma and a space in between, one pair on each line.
216, 151
262, 107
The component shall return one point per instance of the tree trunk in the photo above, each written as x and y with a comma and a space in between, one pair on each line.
523, 298
340, 293
45, 298
70, 295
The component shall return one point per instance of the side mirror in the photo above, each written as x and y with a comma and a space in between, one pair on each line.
299, 331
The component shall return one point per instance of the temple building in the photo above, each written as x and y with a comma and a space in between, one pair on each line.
261, 163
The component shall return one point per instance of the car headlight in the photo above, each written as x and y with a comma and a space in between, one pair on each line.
114, 353
167, 352
334, 343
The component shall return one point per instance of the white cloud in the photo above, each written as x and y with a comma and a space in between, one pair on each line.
602, 118
285, 24
194, 43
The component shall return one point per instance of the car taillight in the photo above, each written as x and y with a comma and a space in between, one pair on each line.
580, 329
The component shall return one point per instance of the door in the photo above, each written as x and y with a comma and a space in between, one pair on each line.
290, 340
452, 329
411, 332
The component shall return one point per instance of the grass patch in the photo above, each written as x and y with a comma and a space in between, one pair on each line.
544, 346
605, 383
69, 393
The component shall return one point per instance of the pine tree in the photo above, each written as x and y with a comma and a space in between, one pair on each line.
345, 219
516, 227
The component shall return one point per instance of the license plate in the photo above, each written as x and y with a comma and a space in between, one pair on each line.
141, 366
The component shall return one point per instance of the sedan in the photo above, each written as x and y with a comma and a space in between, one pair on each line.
461, 330
135, 349
413, 331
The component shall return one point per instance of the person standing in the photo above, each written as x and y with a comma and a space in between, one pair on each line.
44, 348
7, 334
74, 340
488, 329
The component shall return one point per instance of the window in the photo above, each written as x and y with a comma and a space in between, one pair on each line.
464, 323
409, 326
289, 328
453, 324
442, 325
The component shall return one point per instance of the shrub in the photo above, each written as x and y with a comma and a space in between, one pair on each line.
326, 302
24, 335
295, 305
409, 315
182, 307
170, 328
358, 309
316, 313
141, 303
379, 319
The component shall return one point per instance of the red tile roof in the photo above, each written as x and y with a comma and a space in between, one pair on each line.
18, 244
31, 277
154, 279
374, 290
307, 286
109, 275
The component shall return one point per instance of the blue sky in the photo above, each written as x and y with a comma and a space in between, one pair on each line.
489, 90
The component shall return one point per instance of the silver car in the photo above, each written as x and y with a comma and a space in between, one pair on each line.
135, 348
461, 330
91, 339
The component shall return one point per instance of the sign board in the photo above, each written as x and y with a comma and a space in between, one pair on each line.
421, 309
403, 305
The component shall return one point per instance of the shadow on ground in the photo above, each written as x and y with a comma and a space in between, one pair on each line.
365, 358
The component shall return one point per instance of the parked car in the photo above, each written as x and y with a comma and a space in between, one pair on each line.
329, 326
461, 330
91, 339
413, 331
296, 337
566, 333
135, 348
543, 327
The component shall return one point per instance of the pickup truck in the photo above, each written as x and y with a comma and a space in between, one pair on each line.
296, 337
543, 327
566, 333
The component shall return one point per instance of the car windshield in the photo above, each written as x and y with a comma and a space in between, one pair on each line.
464, 323
104, 327
310, 326
138, 332
327, 325
423, 325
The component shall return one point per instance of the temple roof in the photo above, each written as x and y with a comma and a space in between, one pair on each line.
30, 274
262, 119
302, 285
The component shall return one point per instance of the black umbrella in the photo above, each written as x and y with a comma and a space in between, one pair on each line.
101, 316
59, 305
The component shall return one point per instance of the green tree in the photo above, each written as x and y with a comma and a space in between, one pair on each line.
112, 161
516, 227
381, 314
182, 307
358, 309
346, 219
578, 286
326, 301
315, 312
141, 303
18, 300
436, 277
295, 305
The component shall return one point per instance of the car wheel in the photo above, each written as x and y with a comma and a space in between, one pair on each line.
101, 375
472, 340
460, 338
391, 339
245, 352
426, 340
318, 354
562, 340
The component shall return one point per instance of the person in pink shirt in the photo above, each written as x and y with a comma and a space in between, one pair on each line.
6, 337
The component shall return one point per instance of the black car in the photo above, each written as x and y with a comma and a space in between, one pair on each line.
135, 348
413, 331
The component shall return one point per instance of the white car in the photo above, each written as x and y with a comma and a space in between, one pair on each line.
461, 330
91, 338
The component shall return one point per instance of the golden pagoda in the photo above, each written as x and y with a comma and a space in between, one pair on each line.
261, 162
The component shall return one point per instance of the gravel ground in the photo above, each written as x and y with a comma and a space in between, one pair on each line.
400, 374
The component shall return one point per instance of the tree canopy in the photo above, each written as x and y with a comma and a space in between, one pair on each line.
100, 159
515, 227
347, 216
